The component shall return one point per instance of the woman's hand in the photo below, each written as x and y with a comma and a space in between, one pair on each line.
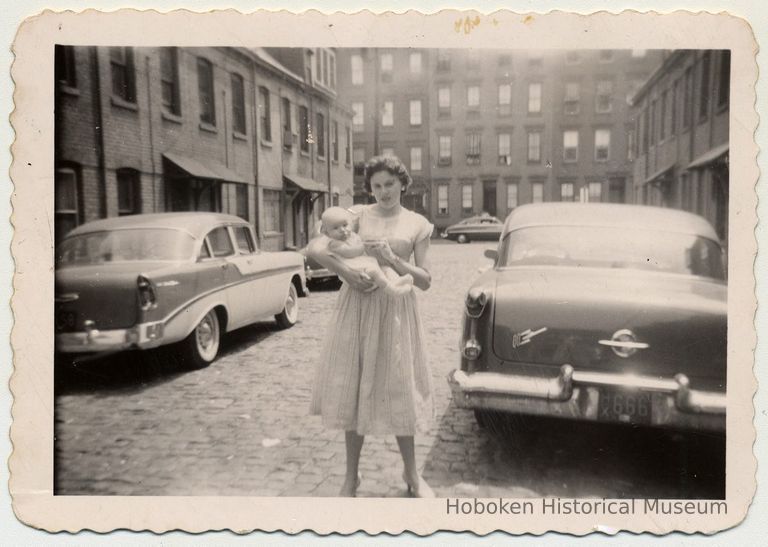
359, 281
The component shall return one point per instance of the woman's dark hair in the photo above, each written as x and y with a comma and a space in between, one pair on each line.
392, 165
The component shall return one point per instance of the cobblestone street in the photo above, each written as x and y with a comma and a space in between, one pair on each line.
133, 424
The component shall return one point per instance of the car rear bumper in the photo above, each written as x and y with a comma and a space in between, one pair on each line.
575, 394
143, 336
319, 274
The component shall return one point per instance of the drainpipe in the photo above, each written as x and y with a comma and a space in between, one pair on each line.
98, 129
151, 136
255, 141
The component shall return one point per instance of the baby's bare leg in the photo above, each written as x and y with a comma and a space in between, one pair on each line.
396, 285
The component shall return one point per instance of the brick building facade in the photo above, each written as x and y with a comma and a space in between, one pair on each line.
683, 135
498, 128
211, 129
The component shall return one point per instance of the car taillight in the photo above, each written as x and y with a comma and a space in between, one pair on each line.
147, 295
475, 302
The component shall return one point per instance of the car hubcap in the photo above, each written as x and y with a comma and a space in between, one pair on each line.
207, 334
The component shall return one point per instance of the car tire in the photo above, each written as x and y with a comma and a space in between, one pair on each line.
462, 238
290, 314
202, 345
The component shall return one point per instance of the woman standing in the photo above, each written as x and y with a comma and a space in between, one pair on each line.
373, 376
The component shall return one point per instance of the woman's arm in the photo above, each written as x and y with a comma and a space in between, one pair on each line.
421, 276
318, 250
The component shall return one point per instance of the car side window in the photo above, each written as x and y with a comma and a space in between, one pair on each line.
204, 252
220, 242
244, 239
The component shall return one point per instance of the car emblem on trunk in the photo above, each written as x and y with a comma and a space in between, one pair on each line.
522, 338
624, 343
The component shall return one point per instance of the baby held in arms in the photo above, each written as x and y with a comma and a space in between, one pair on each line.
348, 247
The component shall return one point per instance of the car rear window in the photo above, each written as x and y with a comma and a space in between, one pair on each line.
125, 245
602, 247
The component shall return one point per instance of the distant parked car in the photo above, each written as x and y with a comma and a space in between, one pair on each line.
316, 274
474, 228
599, 312
143, 281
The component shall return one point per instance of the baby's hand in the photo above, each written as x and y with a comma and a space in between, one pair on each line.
380, 249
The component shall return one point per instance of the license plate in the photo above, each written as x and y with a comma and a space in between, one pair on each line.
66, 321
624, 406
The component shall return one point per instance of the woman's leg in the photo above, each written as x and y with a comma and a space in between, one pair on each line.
354, 444
416, 484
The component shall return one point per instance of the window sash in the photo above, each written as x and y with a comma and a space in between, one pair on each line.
414, 63
534, 146
205, 92
265, 114
566, 191
512, 196
505, 144
595, 191
602, 144
238, 104
442, 199
415, 112
416, 158
272, 220
537, 192
604, 96
347, 145
534, 98
358, 115
444, 147
466, 198
127, 192
304, 128
357, 69
473, 96
169, 77
65, 67
335, 140
320, 134
123, 73
388, 114
570, 145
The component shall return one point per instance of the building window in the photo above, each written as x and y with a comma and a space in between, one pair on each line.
444, 101
704, 87
511, 196
638, 53
359, 161
687, 97
265, 115
631, 143
415, 112
444, 150
604, 96
572, 58
534, 98
347, 145
505, 148
605, 55
67, 214
572, 98
505, 99
123, 73
387, 151
473, 97
65, 65
724, 80
304, 128
205, 91
570, 146
473, 59
358, 116
238, 104
357, 69
385, 64
673, 105
332, 59
534, 146
414, 63
128, 192
652, 124
287, 128
663, 116
442, 199
320, 134
415, 158
466, 199
537, 192
443, 60
388, 114
271, 204
566, 191
473, 149
241, 207
616, 190
602, 144
335, 140
169, 79
595, 191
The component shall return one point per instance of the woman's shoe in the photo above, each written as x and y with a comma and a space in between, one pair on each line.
419, 490
353, 493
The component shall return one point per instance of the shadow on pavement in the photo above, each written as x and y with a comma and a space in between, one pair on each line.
519, 456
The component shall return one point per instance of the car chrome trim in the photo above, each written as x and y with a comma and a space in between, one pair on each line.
560, 387
627, 344
66, 297
144, 335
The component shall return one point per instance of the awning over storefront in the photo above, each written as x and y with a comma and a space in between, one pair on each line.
305, 183
709, 156
660, 174
208, 170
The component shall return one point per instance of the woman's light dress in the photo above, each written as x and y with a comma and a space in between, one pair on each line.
373, 376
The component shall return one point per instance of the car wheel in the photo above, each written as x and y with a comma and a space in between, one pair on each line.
290, 314
462, 238
202, 344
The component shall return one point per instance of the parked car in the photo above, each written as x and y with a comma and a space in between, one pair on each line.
483, 227
598, 312
317, 275
143, 281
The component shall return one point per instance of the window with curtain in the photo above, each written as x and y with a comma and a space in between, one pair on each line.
238, 104
205, 91
265, 115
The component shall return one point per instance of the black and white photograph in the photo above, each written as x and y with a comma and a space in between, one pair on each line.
393, 271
